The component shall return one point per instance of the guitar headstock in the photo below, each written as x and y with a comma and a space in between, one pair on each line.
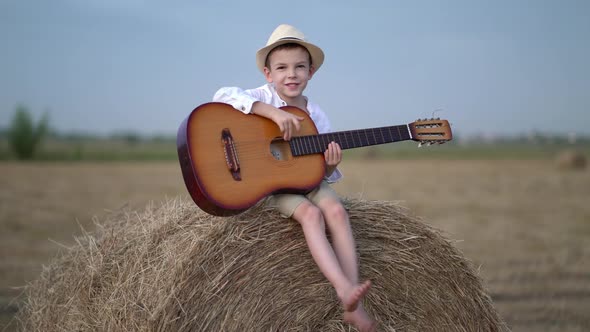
431, 131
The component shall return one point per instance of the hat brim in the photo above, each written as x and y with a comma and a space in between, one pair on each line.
316, 53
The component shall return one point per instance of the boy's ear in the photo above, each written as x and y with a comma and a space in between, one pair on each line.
311, 71
267, 75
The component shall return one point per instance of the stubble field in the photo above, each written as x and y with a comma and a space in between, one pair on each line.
524, 224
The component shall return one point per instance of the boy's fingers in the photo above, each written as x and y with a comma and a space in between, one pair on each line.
288, 131
286, 126
297, 125
330, 152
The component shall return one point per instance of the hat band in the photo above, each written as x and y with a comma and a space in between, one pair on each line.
291, 38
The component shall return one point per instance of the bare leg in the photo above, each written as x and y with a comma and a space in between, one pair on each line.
312, 222
344, 247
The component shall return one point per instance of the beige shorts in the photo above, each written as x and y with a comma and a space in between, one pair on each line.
287, 203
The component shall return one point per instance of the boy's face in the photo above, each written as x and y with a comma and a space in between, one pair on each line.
289, 70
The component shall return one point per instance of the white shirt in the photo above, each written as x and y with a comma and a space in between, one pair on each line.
242, 100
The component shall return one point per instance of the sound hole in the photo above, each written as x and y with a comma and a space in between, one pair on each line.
280, 150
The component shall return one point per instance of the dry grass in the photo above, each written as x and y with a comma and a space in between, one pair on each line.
175, 268
525, 224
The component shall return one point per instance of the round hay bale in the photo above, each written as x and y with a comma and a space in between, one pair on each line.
176, 268
571, 160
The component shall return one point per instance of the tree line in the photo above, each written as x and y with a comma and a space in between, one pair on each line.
25, 136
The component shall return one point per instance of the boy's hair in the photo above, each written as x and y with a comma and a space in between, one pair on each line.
288, 46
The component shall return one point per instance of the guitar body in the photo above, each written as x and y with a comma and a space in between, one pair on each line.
230, 160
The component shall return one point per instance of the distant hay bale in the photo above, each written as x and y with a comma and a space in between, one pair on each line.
175, 268
571, 160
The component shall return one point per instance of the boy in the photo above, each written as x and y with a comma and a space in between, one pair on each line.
288, 62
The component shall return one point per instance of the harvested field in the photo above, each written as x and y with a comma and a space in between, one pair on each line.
524, 224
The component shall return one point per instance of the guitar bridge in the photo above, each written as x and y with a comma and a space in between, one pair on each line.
231, 156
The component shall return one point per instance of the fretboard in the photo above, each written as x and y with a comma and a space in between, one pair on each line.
310, 144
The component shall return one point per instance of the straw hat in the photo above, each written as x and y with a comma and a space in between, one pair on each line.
285, 34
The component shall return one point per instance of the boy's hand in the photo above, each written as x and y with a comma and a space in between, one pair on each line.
288, 123
333, 156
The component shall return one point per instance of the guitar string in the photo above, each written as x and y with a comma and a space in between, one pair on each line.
345, 138
313, 143
377, 135
245, 149
303, 146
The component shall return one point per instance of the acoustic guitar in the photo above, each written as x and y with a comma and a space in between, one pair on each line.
230, 160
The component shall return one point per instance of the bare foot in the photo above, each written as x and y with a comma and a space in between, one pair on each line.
352, 299
361, 320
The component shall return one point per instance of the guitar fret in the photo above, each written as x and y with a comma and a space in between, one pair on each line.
407, 133
347, 144
383, 135
358, 133
344, 143
317, 144
295, 148
304, 143
391, 133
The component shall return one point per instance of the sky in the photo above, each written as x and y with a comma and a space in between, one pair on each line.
490, 67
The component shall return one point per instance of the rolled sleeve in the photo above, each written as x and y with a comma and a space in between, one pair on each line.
334, 177
235, 97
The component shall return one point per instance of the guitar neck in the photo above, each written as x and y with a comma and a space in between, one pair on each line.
311, 144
